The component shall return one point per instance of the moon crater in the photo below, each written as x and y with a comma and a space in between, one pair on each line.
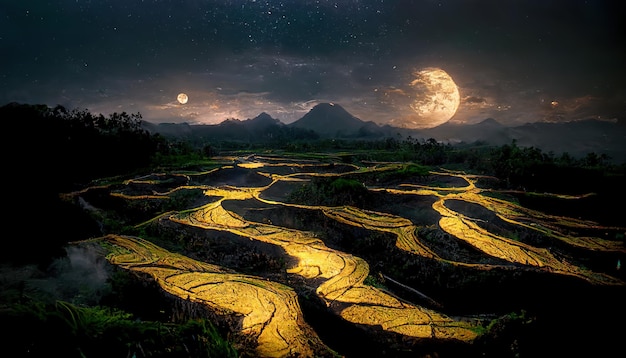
435, 98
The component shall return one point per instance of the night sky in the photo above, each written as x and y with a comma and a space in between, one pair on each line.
514, 61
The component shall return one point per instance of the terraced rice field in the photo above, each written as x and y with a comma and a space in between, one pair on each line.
247, 200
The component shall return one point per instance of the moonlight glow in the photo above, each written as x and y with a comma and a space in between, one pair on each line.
182, 98
436, 98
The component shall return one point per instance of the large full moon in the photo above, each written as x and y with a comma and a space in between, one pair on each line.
182, 98
435, 98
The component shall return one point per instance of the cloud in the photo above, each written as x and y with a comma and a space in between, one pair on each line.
238, 61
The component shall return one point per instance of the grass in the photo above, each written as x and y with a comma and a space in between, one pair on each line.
68, 330
375, 282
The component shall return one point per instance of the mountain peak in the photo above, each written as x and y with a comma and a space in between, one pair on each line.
490, 122
264, 118
329, 119
330, 108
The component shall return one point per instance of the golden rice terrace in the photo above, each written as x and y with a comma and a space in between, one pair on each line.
320, 258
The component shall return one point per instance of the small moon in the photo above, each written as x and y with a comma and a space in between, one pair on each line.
436, 98
182, 98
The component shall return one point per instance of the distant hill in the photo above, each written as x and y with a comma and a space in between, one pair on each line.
469, 133
261, 122
327, 120
258, 128
577, 138
177, 130
262, 128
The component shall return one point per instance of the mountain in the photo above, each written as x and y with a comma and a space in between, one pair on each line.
262, 129
469, 133
175, 130
577, 138
261, 122
328, 120
332, 120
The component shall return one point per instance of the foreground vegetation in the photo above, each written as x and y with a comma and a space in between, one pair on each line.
68, 330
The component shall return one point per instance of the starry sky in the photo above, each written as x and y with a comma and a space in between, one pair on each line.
514, 61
